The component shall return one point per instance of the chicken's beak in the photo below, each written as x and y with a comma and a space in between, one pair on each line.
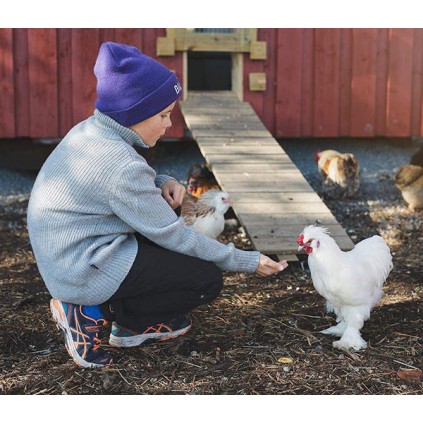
300, 248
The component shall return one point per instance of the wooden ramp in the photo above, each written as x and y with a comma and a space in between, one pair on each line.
270, 196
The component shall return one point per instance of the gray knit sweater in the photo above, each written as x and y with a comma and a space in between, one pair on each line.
91, 195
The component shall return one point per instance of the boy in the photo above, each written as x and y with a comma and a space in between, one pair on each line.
102, 225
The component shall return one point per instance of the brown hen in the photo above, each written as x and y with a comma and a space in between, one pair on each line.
409, 180
339, 172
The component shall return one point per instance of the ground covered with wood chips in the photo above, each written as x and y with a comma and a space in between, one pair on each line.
261, 336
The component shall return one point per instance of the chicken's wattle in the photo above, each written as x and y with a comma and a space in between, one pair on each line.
307, 249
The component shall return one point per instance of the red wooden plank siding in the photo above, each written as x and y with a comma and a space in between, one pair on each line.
132, 37
85, 45
255, 98
106, 34
417, 91
42, 69
320, 82
64, 52
175, 64
381, 80
263, 102
289, 82
22, 109
399, 82
7, 98
307, 73
363, 83
149, 40
345, 71
270, 68
326, 79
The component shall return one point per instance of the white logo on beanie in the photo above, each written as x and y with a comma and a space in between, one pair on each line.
178, 88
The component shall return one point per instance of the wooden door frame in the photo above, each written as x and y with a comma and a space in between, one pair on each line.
244, 40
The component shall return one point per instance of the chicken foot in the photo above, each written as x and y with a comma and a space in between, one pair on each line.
337, 330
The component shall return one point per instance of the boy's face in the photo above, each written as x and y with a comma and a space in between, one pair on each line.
151, 129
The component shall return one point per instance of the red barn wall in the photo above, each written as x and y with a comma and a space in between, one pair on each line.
320, 82
47, 84
340, 82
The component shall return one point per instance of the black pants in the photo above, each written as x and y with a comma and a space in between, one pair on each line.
161, 285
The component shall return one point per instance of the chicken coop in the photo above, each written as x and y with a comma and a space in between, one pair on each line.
301, 82
243, 90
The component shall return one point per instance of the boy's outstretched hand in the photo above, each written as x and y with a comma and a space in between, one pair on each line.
268, 267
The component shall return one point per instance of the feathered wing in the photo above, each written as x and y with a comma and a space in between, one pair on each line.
344, 169
374, 254
189, 209
192, 208
409, 180
407, 176
201, 214
339, 172
324, 160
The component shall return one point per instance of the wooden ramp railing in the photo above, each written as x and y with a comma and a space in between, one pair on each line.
270, 196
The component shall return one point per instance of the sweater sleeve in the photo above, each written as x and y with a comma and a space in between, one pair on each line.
161, 179
135, 198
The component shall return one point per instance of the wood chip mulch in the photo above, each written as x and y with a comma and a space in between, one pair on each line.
261, 336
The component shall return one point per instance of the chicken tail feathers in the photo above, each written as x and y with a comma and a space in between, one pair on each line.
375, 253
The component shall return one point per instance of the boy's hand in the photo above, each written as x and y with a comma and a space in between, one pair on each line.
173, 192
269, 267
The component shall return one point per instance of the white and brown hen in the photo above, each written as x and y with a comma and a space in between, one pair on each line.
206, 213
339, 172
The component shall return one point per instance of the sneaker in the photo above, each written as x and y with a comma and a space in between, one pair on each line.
81, 334
123, 337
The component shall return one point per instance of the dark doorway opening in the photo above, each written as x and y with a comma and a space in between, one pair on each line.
209, 71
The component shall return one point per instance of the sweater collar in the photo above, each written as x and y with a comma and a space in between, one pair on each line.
128, 135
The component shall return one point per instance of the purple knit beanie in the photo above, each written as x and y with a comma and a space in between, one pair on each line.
131, 86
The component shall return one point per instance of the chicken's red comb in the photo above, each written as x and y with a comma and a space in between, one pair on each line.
300, 240
316, 155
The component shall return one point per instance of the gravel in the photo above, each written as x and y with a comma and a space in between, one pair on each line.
379, 160
15, 185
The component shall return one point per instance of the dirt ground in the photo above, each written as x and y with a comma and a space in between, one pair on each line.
261, 336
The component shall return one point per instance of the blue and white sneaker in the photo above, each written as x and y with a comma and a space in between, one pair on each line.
124, 337
82, 334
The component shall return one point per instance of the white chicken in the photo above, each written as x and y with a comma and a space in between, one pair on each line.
206, 214
350, 281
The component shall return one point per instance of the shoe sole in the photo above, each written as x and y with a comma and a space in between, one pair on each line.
136, 340
59, 317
